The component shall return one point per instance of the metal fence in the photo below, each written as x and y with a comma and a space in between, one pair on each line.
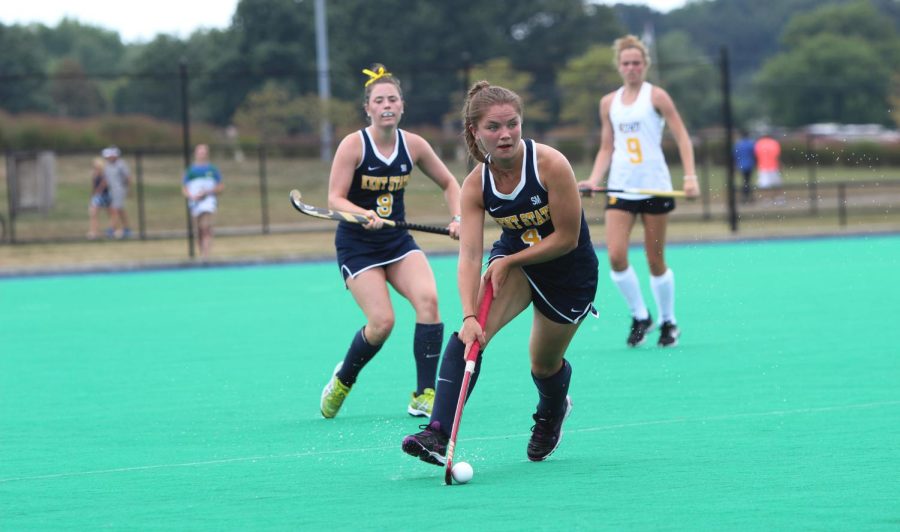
257, 180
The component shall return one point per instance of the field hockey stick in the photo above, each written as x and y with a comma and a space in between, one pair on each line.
471, 357
648, 192
328, 214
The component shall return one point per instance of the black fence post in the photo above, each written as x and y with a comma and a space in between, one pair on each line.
186, 147
11, 192
729, 132
704, 143
811, 179
842, 204
139, 173
263, 189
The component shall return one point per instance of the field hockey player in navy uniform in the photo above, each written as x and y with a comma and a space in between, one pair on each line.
369, 175
543, 258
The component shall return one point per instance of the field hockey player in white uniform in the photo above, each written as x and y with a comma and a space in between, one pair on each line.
633, 118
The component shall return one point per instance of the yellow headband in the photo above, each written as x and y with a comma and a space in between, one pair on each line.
374, 76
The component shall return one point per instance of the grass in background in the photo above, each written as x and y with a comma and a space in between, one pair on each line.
241, 205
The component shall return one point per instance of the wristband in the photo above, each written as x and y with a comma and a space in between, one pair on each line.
470, 316
690, 177
456, 219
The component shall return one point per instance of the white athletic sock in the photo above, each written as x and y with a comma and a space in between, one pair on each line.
627, 282
664, 292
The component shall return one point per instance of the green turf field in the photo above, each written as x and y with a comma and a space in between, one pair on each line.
189, 399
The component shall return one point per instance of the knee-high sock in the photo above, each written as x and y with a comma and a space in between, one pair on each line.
627, 282
664, 292
427, 342
453, 366
552, 392
359, 354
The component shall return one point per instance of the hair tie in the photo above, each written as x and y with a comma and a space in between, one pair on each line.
374, 76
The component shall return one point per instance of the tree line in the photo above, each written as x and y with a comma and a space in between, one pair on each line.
793, 62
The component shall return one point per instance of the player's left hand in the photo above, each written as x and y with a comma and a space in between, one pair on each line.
375, 221
691, 186
586, 188
497, 273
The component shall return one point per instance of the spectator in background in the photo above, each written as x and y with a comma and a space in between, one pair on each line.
745, 160
768, 151
99, 197
202, 181
118, 178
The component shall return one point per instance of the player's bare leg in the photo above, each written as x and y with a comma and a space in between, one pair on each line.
204, 234
413, 279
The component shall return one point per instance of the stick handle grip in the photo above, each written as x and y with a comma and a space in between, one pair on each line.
423, 228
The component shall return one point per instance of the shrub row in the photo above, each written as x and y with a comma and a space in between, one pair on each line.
32, 131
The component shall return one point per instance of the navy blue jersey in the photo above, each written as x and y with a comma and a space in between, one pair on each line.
379, 184
523, 214
563, 288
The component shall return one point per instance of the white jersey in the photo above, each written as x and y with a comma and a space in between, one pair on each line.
200, 185
637, 159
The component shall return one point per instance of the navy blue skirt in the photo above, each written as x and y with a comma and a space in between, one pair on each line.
359, 250
562, 289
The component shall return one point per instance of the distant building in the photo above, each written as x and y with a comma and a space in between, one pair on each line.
850, 132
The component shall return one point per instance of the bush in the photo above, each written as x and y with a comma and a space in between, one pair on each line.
34, 131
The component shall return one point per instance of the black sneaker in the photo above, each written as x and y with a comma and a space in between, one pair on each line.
430, 445
639, 330
546, 435
668, 334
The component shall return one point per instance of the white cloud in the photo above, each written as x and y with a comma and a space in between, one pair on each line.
135, 21
143, 20
660, 5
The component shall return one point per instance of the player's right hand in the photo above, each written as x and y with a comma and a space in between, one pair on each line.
470, 331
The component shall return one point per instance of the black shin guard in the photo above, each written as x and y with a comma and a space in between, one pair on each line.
453, 367
359, 354
552, 392
427, 341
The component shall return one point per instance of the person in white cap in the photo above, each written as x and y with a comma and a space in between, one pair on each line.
117, 177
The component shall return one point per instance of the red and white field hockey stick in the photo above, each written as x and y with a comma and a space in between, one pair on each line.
328, 214
647, 192
471, 357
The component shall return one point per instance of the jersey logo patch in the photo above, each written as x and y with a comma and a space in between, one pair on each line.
535, 200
